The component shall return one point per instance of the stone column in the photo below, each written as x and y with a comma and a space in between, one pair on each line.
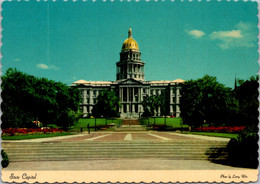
133, 94
91, 96
171, 110
127, 94
90, 109
177, 111
177, 95
141, 94
85, 111
84, 96
171, 95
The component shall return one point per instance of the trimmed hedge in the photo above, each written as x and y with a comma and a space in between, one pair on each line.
243, 150
5, 159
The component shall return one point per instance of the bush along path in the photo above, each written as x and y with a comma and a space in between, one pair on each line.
243, 151
5, 159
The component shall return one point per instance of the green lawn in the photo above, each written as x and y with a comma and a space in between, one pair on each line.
227, 135
34, 136
171, 122
83, 123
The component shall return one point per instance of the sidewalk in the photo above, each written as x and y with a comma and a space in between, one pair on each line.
119, 164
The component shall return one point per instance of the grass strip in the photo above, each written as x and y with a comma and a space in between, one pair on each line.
83, 123
171, 122
225, 135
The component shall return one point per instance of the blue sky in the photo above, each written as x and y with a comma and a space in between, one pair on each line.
69, 41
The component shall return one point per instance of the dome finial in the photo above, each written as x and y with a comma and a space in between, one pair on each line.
130, 33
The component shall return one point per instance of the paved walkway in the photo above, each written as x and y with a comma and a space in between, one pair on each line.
125, 136
124, 164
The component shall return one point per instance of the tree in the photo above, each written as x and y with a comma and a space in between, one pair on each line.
151, 105
206, 100
247, 95
27, 98
107, 105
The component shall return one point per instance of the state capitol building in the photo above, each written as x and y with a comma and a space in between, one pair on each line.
130, 86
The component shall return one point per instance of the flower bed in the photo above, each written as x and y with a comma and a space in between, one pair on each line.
229, 129
16, 131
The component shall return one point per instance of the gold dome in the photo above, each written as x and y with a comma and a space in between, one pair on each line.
130, 43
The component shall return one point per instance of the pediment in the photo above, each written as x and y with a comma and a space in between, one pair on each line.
131, 82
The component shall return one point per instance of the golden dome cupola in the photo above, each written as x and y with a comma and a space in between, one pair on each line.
130, 43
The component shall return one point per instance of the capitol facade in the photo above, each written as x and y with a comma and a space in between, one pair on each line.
130, 86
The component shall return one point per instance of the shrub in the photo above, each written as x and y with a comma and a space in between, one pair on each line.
5, 159
243, 150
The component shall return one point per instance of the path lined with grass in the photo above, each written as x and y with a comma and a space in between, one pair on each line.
226, 135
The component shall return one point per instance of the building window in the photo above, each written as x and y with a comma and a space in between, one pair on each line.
87, 100
144, 90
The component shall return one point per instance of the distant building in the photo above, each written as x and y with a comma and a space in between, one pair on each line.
130, 86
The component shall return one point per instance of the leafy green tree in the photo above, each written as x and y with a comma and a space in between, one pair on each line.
107, 105
207, 101
247, 95
27, 98
151, 105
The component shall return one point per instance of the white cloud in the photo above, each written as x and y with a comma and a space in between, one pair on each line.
226, 34
195, 33
244, 35
46, 67
42, 66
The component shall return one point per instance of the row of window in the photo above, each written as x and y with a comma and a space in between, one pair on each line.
123, 76
133, 55
136, 68
95, 92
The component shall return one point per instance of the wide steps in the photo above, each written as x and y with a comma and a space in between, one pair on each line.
130, 122
128, 128
85, 150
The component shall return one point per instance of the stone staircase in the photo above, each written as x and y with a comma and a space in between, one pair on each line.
130, 122
131, 125
89, 150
